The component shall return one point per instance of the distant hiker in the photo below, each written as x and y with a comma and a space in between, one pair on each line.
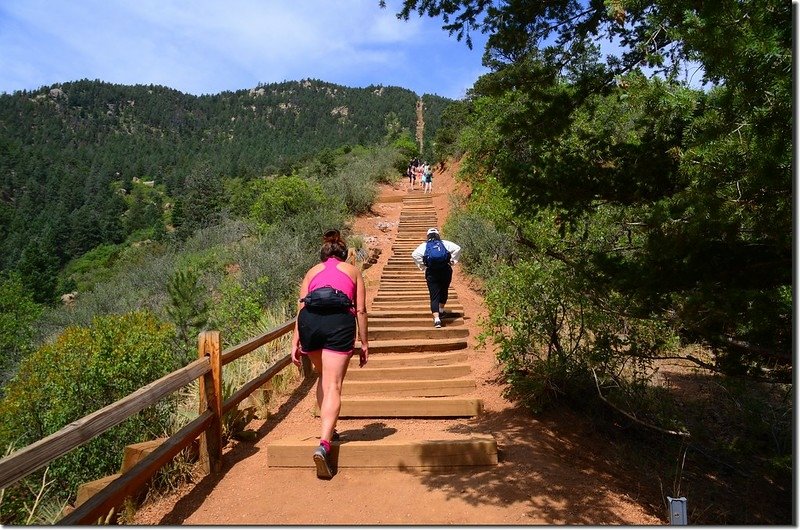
332, 299
435, 257
418, 174
427, 179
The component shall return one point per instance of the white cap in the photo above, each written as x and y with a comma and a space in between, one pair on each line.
432, 231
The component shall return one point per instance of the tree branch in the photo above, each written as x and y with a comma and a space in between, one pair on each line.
631, 417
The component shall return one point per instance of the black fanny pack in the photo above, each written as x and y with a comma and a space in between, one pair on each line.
327, 298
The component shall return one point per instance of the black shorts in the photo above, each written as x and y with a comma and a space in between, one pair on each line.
328, 330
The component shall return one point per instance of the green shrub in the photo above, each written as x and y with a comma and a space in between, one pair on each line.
84, 370
236, 311
483, 245
284, 197
18, 313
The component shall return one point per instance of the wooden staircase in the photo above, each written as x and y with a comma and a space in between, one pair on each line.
414, 371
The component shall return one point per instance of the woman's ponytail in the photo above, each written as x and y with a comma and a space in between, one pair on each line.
333, 245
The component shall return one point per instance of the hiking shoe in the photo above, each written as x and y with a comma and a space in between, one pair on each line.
321, 461
437, 323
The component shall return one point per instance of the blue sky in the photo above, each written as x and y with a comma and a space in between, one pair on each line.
208, 46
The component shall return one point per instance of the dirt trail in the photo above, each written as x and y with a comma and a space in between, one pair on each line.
551, 470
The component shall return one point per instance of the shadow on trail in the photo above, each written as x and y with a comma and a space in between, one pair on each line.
189, 503
370, 432
544, 465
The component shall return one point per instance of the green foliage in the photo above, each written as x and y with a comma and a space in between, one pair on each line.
484, 244
38, 269
188, 309
18, 314
85, 369
408, 148
95, 265
454, 118
247, 266
237, 310
285, 197
199, 204
646, 214
145, 210
702, 179
354, 183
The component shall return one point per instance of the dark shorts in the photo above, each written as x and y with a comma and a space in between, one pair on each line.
334, 331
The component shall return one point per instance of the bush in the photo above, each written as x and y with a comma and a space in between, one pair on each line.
18, 313
483, 245
84, 370
284, 197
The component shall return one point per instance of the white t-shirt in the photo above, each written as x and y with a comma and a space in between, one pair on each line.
451, 247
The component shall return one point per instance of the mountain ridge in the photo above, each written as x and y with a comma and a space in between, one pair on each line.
70, 152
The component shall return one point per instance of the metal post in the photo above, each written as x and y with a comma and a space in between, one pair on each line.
677, 511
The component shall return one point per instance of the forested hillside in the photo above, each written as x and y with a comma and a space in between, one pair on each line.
71, 153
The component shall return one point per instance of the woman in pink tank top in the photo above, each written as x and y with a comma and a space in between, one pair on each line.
327, 337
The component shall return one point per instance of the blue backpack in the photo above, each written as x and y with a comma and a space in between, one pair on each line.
435, 254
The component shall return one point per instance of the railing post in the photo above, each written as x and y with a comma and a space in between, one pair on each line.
306, 368
208, 344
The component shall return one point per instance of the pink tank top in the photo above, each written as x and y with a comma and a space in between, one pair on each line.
332, 276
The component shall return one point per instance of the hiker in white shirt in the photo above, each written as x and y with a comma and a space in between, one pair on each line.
436, 257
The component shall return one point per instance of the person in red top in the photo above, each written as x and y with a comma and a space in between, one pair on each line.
327, 336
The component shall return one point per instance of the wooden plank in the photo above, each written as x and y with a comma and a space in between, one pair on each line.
231, 354
408, 297
129, 483
254, 384
87, 490
421, 307
474, 450
414, 346
377, 314
381, 323
420, 332
398, 360
450, 407
39, 454
412, 388
409, 373
134, 453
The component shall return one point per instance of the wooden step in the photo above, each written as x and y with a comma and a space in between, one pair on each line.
399, 360
410, 407
421, 333
412, 388
414, 346
415, 312
408, 373
473, 450
418, 289
409, 297
412, 306
376, 322
414, 280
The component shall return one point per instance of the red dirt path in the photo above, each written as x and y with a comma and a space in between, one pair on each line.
551, 471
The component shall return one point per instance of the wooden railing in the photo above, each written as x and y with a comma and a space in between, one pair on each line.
207, 426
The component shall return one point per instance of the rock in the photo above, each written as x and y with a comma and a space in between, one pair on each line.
247, 435
68, 299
